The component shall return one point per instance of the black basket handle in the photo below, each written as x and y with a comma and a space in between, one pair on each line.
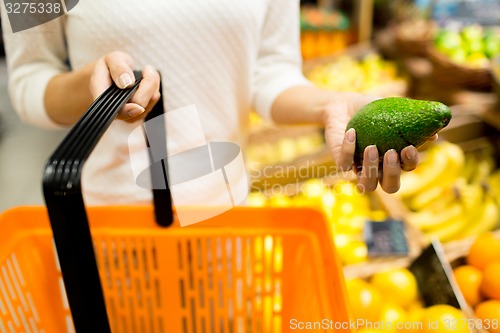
63, 197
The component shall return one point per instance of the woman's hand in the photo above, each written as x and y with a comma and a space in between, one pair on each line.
342, 145
118, 67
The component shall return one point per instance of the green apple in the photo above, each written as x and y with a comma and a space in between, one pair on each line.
458, 55
447, 41
473, 45
491, 45
472, 32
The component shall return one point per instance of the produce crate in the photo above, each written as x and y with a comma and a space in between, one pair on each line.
413, 37
495, 67
453, 74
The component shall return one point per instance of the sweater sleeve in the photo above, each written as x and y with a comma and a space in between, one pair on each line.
279, 61
34, 56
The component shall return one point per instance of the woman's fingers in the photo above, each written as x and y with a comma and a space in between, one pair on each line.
145, 97
390, 181
100, 79
368, 178
434, 137
409, 158
117, 67
120, 66
149, 87
345, 159
114, 67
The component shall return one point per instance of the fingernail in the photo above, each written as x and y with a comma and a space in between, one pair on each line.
125, 80
392, 158
372, 153
350, 135
410, 153
135, 112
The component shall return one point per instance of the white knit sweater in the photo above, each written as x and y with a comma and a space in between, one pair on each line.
224, 56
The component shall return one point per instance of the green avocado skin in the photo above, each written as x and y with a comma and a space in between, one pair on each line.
397, 122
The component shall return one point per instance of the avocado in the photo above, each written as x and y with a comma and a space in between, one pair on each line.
396, 122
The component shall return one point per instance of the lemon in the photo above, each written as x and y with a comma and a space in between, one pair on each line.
442, 319
353, 252
392, 316
398, 286
365, 300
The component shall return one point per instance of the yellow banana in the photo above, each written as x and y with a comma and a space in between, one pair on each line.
483, 169
443, 163
449, 231
470, 166
427, 219
428, 197
485, 219
480, 214
493, 183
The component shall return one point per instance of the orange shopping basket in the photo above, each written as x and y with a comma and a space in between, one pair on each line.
65, 268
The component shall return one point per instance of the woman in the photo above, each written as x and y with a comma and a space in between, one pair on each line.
226, 57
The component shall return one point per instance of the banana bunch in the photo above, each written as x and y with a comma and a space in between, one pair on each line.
453, 195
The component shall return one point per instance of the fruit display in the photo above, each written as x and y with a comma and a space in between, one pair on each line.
370, 74
383, 122
452, 194
344, 206
472, 46
283, 149
389, 301
478, 279
323, 31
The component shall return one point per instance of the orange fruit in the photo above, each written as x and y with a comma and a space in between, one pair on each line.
489, 313
483, 251
398, 286
365, 300
490, 286
469, 280
443, 319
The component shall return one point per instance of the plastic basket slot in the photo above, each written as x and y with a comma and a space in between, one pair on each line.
17, 310
230, 284
128, 270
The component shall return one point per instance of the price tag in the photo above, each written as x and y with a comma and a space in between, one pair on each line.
435, 278
385, 238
